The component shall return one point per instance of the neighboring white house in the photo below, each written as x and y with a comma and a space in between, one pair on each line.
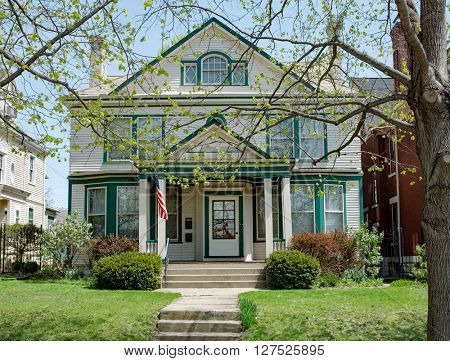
276, 192
22, 174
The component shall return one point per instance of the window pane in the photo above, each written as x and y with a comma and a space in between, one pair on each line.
282, 140
96, 201
302, 222
238, 74
172, 227
190, 74
260, 212
302, 197
214, 70
312, 138
98, 225
333, 198
149, 136
128, 226
120, 128
334, 221
128, 200
172, 200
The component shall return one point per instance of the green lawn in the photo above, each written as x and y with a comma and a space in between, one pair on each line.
340, 314
71, 311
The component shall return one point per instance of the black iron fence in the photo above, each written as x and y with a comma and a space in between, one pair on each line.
19, 247
394, 263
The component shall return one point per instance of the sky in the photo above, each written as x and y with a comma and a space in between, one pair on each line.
57, 170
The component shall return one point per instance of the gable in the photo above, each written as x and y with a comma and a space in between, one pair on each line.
167, 76
214, 142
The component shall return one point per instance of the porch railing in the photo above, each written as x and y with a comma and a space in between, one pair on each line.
152, 247
279, 244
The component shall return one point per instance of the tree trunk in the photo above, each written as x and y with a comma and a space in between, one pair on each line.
433, 148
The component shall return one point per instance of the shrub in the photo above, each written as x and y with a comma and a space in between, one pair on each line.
109, 246
47, 274
368, 282
335, 251
248, 312
30, 267
22, 238
291, 269
327, 280
408, 283
75, 274
420, 271
355, 275
369, 250
128, 271
62, 241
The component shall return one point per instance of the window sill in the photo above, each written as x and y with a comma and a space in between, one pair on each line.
392, 175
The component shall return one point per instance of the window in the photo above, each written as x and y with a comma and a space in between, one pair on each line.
149, 136
31, 177
392, 160
238, 75
172, 210
12, 173
302, 208
281, 139
50, 221
17, 216
96, 199
2, 161
120, 133
128, 212
312, 139
30, 215
374, 188
261, 214
224, 220
334, 207
190, 74
214, 70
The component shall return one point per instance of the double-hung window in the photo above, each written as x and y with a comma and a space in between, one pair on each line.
214, 70
96, 207
281, 138
128, 212
261, 212
302, 208
149, 136
190, 74
334, 207
312, 139
119, 138
31, 176
172, 209
238, 74
30, 215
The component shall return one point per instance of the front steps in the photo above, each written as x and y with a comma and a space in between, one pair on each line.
215, 275
208, 309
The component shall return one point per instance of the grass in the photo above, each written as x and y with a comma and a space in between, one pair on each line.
248, 312
65, 310
388, 313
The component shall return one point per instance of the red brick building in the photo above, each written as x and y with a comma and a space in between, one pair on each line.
393, 188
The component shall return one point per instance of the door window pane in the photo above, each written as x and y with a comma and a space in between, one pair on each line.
223, 221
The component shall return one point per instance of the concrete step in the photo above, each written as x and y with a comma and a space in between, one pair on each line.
215, 326
218, 277
199, 314
213, 271
198, 336
214, 284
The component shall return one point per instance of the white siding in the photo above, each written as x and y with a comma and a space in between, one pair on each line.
78, 199
259, 250
353, 204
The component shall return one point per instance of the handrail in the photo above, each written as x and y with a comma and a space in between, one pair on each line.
165, 258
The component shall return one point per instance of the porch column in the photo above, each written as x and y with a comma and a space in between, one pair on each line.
144, 211
268, 215
286, 209
161, 221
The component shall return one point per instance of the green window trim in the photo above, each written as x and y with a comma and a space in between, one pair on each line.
231, 63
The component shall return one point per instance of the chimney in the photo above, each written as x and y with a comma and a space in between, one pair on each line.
97, 62
334, 32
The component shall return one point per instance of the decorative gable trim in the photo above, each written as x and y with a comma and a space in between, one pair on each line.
193, 33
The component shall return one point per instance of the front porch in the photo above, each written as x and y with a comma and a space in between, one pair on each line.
239, 221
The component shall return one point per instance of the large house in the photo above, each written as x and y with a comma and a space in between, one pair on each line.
243, 193
22, 174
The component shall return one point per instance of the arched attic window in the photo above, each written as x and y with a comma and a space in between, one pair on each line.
214, 70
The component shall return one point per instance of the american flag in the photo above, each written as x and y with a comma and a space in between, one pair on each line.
162, 210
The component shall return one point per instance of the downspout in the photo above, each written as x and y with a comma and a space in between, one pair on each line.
397, 184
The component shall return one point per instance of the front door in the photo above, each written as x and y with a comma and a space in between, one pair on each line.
224, 226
